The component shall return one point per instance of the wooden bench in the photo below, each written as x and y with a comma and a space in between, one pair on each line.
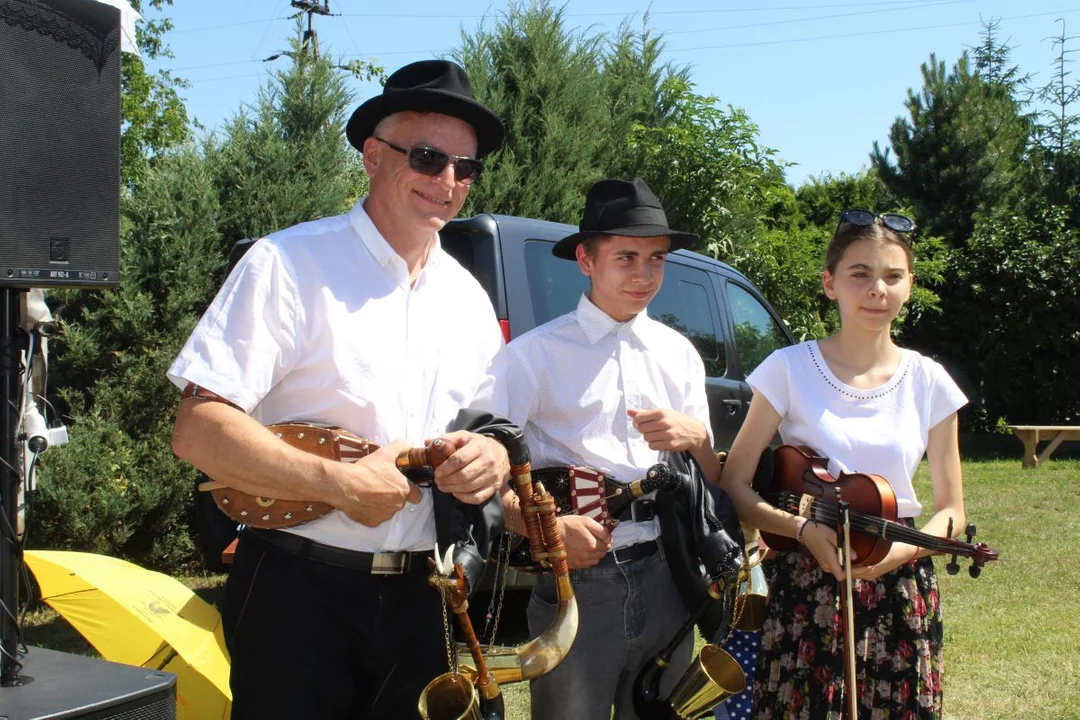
1032, 435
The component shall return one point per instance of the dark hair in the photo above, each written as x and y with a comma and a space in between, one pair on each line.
591, 243
848, 233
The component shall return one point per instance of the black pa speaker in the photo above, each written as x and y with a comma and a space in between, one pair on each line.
59, 143
56, 685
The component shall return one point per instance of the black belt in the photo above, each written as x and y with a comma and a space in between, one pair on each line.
383, 563
630, 553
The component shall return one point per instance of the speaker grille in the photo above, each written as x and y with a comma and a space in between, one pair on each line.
59, 143
162, 709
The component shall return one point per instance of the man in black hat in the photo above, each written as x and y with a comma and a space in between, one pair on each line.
609, 388
363, 322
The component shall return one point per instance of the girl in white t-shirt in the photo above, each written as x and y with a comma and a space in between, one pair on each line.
870, 407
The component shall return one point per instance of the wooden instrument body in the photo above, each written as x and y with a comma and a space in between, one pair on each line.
798, 469
801, 485
332, 443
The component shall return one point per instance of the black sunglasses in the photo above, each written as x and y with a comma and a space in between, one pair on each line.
429, 161
863, 218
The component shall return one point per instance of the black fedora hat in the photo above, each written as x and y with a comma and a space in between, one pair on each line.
622, 207
428, 86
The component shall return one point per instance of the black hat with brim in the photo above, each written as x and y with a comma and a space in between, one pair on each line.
622, 207
437, 86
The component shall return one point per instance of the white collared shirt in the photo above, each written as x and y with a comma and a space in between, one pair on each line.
319, 323
568, 384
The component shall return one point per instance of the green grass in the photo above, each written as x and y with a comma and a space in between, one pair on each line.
1012, 636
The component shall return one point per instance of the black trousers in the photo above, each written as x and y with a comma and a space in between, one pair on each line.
312, 640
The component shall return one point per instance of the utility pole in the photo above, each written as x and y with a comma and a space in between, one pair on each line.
312, 8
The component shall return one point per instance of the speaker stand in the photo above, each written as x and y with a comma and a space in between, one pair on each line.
11, 339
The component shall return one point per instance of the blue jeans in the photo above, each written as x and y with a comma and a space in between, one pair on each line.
628, 613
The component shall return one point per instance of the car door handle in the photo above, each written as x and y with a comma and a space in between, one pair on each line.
733, 405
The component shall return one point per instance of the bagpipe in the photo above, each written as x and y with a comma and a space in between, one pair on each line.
703, 542
470, 689
722, 584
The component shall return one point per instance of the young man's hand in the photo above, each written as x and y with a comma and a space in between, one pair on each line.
586, 540
671, 430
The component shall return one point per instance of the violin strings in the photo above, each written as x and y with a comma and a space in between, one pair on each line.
873, 525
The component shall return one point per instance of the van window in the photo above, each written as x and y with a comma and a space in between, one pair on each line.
555, 285
757, 333
684, 304
474, 252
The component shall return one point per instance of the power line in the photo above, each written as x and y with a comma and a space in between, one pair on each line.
213, 65
783, 41
651, 12
870, 32
818, 17
628, 13
230, 77
226, 25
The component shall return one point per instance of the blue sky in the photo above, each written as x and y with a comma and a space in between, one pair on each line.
822, 79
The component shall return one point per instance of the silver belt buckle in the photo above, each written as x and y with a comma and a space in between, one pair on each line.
615, 554
391, 563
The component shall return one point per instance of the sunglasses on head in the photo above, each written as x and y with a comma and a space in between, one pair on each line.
429, 161
863, 218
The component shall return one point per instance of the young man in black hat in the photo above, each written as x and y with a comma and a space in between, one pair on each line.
607, 387
363, 322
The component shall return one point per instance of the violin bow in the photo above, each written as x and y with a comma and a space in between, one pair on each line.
843, 529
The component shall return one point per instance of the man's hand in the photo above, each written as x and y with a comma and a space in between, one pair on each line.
374, 489
476, 470
586, 540
671, 430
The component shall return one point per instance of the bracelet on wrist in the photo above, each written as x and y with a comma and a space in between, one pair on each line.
799, 530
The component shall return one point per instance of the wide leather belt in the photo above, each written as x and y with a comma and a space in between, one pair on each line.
383, 563
630, 553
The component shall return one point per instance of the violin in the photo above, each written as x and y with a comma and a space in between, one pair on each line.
800, 484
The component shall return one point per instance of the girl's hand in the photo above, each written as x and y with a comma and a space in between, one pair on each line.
899, 554
821, 541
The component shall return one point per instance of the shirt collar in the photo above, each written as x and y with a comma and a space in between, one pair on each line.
377, 245
597, 324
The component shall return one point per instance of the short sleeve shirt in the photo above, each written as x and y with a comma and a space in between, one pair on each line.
882, 431
319, 323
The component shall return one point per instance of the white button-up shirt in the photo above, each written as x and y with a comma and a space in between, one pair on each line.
569, 383
319, 323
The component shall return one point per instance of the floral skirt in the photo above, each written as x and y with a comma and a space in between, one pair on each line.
800, 672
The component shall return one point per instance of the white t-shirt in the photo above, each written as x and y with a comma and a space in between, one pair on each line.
319, 323
569, 382
882, 431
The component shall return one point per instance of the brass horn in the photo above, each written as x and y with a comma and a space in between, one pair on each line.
713, 676
446, 697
